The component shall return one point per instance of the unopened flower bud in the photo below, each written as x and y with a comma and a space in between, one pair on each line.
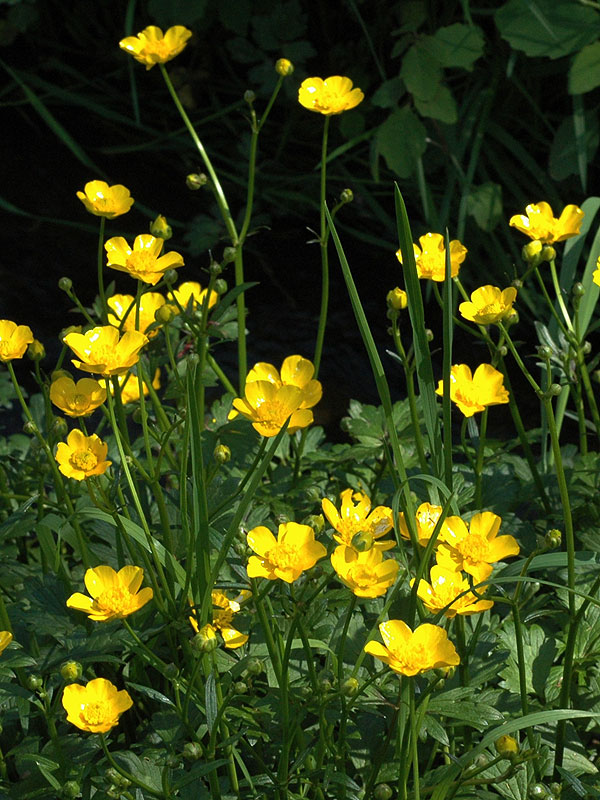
502, 350
196, 180
192, 751
310, 762
70, 790
164, 314
316, 522
71, 671
383, 791
30, 427
511, 319
60, 373
346, 196
544, 352
160, 228
34, 682
349, 687
215, 269
221, 286
284, 67
221, 454
548, 253
171, 671
517, 283
429, 334
170, 276
397, 299
65, 284
137, 416
555, 788
553, 538
531, 253
36, 350
586, 348
205, 641
229, 254
555, 389
506, 746
362, 541
240, 687
255, 666
249, 96
578, 289
537, 791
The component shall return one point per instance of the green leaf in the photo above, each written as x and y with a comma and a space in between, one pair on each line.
235, 15
547, 29
485, 204
210, 699
539, 652
440, 106
420, 72
456, 45
584, 74
563, 152
401, 141
388, 94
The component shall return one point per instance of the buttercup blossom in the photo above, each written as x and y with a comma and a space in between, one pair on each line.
444, 590
358, 524
367, 574
222, 615
330, 96
95, 707
268, 407
475, 548
123, 306
473, 393
286, 557
107, 201
411, 653
295, 371
82, 456
152, 47
130, 386
430, 257
100, 350
13, 340
142, 261
488, 304
191, 291
114, 595
595, 275
541, 224
77, 399
6, 638
426, 519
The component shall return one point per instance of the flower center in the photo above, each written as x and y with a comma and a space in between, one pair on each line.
84, 460
116, 601
494, 308
157, 48
272, 414
282, 556
467, 394
362, 576
141, 261
412, 657
95, 713
222, 618
473, 548
79, 402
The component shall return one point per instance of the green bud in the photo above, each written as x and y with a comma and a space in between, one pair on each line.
111, 775
517, 283
249, 96
192, 751
215, 269
556, 788
65, 284
221, 454
316, 522
553, 538
171, 671
195, 181
59, 428
229, 254
255, 667
586, 348
160, 228
349, 687
429, 334
205, 641
346, 196
71, 671
284, 67
537, 791
34, 682
382, 792
164, 314
36, 351
544, 352
70, 790
240, 687
548, 253
555, 389
30, 427
502, 350
310, 762
221, 286
578, 289
532, 253
170, 276
362, 541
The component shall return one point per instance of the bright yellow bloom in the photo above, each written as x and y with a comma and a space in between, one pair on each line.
426, 518
100, 350
541, 224
444, 590
151, 47
107, 201
82, 456
222, 615
431, 256
77, 399
144, 260
489, 304
330, 96
95, 707
13, 340
357, 524
268, 407
114, 595
411, 653
6, 638
130, 386
367, 574
397, 299
295, 371
123, 306
595, 277
191, 291
476, 548
473, 393
286, 557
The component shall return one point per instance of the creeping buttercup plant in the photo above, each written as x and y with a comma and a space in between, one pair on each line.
410, 614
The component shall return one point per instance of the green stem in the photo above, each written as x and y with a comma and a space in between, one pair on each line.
559, 296
103, 306
128, 775
480, 454
414, 740
324, 255
410, 391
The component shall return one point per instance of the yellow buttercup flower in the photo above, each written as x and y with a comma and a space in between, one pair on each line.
222, 616
541, 224
426, 518
411, 653
114, 595
356, 524
473, 393
488, 304
95, 707
13, 340
268, 407
6, 638
130, 386
142, 261
77, 399
595, 275
107, 201
445, 590
286, 557
333, 95
430, 257
397, 299
82, 456
123, 307
191, 291
152, 47
475, 548
367, 574
100, 350
295, 371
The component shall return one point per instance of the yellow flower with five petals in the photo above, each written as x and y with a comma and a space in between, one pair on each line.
13, 340
114, 595
152, 47
82, 456
540, 224
430, 257
77, 399
100, 350
356, 524
191, 292
286, 557
142, 261
450, 591
410, 653
222, 616
6, 638
367, 574
295, 371
333, 95
107, 201
489, 304
268, 407
122, 307
475, 392
95, 707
